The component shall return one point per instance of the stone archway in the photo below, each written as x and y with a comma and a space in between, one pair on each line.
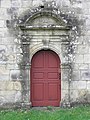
45, 30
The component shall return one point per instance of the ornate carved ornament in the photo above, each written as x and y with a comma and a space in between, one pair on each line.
43, 18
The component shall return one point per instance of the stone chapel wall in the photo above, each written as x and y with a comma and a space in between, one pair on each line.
14, 79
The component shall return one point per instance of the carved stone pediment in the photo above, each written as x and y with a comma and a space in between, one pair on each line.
44, 21
45, 18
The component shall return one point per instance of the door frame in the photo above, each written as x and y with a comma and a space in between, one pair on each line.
65, 90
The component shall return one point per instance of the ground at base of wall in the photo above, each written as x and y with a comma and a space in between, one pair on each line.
76, 113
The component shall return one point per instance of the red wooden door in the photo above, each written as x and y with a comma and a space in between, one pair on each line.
45, 81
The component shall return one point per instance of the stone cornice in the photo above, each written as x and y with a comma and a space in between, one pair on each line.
57, 27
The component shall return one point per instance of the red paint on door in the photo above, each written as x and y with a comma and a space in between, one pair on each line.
45, 81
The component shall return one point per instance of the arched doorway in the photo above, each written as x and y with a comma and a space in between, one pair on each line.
45, 79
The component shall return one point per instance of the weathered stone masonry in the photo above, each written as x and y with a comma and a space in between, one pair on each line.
27, 26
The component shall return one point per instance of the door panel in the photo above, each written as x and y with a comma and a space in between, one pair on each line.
38, 61
45, 82
52, 75
38, 92
53, 91
52, 60
38, 75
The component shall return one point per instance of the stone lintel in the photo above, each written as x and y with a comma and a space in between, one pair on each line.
49, 27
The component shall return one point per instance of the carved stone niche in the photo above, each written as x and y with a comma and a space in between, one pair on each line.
46, 30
